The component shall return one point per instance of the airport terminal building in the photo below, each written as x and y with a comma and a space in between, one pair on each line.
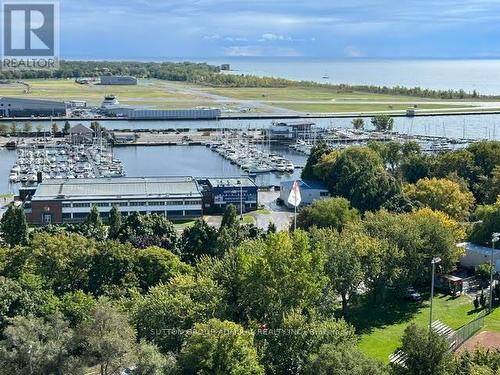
21, 107
70, 200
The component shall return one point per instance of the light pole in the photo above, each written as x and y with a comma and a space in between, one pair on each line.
241, 199
434, 261
494, 238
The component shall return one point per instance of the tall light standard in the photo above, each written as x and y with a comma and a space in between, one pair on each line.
240, 182
434, 261
494, 238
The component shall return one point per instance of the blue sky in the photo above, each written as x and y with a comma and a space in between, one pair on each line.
310, 28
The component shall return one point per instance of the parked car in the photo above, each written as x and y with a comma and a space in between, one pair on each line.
412, 295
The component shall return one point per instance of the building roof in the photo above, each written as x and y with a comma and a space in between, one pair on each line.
31, 101
469, 246
231, 181
117, 188
80, 129
305, 185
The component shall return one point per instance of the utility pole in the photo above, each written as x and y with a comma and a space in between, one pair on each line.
434, 262
494, 238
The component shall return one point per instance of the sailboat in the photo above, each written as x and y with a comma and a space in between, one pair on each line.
326, 76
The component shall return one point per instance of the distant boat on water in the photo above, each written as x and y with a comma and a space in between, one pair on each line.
326, 76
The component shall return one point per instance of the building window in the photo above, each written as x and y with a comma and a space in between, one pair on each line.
135, 204
174, 203
154, 203
122, 204
66, 215
187, 203
66, 205
47, 218
102, 204
324, 194
81, 205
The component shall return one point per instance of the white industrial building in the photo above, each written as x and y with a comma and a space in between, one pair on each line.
70, 201
476, 255
309, 191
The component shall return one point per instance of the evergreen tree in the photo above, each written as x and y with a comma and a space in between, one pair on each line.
115, 222
358, 123
14, 227
66, 127
230, 218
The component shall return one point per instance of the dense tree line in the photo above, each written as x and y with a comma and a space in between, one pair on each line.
205, 74
133, 291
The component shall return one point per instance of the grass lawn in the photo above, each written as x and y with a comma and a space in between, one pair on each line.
299, 93
262, 211
381, 326
182, 224
247, 219
361, 107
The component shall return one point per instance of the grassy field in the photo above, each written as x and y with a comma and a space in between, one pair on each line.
334, 107
381, 326
300, 93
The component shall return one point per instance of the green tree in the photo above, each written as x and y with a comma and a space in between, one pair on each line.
115, 222
151, 362
228, 349
55, 128
358, 123
66, 128
199, 240
489, 215
277, 274
342, 360
327, 213
176, 305
27, 127
317, 152
35, 346
107, 339
298, 337
443, 195
77, 307
383, 123
149, 230
13, 128
39, 129
112, 268
63, 260
14, 226
344, 265
230, 217
4, 129
156, 265
420, 236
358, 174
427, 353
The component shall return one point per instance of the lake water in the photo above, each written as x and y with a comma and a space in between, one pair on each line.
480, 75
466, 126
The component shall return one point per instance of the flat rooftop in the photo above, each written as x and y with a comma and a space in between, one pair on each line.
117, 188
231, 182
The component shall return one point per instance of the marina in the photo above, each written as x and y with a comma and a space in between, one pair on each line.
69, 158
